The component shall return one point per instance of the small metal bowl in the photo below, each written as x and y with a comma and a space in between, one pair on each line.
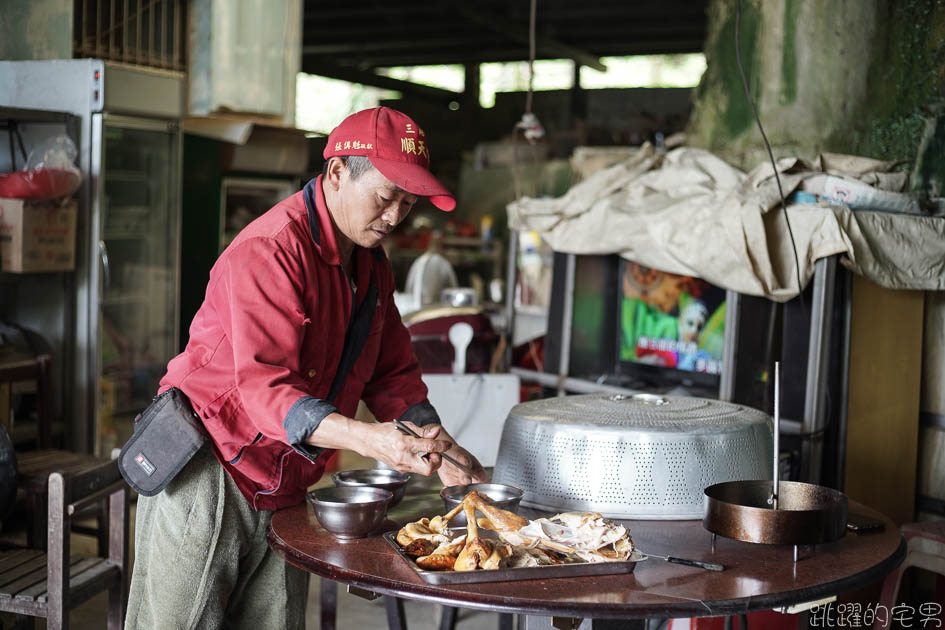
350, 512
382, 478
500, 495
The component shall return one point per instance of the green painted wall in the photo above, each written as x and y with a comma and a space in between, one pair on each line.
902, 117
37, 29
864, 77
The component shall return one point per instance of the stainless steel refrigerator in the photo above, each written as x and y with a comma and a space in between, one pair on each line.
126, 285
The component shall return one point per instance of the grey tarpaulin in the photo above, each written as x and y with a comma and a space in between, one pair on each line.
689, 212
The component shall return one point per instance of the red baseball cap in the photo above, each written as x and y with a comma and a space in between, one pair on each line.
396, 146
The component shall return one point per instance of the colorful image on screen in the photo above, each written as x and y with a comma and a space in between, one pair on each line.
670, 321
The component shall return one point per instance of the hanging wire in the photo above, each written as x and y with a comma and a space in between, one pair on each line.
797, 267
764, 137
531, 56
516, 173
16, 142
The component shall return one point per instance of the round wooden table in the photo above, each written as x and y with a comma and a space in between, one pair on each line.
757, 577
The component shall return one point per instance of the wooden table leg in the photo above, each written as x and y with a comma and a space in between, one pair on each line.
328, 603
448, 618
395, 613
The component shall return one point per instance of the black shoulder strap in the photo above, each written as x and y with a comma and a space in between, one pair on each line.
308, 194
355, 338
357, 333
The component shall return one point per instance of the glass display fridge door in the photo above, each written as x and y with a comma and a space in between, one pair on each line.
244, 199
139, 232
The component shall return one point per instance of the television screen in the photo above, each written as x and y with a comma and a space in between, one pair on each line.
670, 327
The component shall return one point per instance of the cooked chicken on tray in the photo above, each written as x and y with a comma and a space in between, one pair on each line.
564, 538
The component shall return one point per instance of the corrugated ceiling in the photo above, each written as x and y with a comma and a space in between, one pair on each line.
350, 40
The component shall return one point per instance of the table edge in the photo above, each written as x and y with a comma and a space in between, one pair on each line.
673, 607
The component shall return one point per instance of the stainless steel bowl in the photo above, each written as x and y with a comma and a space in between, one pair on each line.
350, 512
500, 495
382, 478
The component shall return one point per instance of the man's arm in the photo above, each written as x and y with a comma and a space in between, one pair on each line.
383, 442
258, 296
397, 391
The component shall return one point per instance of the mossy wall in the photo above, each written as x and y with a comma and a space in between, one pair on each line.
36, 29
864, 77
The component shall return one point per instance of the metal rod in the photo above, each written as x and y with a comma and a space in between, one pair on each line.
85, 26
150, 52
111, 28
125, 31
570, 384
730, 346
795, 554
815, 391
164, 33
844, 378
777, 431
511, 280
566, 320
99, 47
178, 27
405, 429
138, 33
175, 33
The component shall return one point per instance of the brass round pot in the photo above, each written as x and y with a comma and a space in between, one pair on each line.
807, 514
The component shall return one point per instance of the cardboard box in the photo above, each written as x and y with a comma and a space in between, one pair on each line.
37, 235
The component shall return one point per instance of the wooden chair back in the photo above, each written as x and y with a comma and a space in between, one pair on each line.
68, 580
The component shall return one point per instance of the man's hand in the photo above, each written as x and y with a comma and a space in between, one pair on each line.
450, 474
405, 453
383, 442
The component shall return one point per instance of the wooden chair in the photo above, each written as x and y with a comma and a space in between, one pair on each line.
18, 367
33, 470
925, 549
49, 583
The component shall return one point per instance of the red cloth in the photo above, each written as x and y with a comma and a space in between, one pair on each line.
271, 330
39, 183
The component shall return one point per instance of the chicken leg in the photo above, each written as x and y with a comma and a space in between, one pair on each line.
501, 520
476, 551
441, 524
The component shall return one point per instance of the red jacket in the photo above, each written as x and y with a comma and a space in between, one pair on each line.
267, 341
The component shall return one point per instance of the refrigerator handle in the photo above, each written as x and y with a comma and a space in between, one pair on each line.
107, 276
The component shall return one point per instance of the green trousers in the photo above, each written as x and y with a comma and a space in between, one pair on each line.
201, 559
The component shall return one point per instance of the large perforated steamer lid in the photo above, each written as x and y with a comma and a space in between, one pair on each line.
642, 456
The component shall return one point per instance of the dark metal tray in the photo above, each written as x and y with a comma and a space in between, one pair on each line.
575, 569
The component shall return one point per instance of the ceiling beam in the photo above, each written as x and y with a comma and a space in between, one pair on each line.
502, 55
549, 47
315, 65
389, 45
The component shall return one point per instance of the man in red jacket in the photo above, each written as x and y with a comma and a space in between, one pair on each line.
298, 325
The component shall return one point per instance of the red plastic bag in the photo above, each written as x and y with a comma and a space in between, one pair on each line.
50, 172
39, 183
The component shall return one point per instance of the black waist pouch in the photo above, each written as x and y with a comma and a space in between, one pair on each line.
166, 436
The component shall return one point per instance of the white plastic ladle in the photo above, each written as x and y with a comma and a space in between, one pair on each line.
460, 334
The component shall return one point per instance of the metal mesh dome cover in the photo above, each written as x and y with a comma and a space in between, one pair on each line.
630, 457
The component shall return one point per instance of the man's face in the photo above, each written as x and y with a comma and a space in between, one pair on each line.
370, 207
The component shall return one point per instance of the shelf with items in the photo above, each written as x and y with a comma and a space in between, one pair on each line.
40, 300
127, 219
125, 236
468, 255
123, 299
126, 176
